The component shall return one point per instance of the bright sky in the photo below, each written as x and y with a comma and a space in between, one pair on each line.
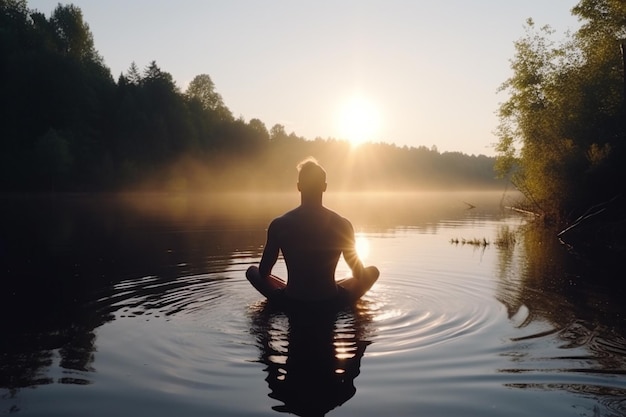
426, 71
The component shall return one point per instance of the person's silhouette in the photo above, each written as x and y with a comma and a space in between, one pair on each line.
311, 238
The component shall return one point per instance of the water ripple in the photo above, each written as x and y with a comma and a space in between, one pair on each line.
416, 312
196, 294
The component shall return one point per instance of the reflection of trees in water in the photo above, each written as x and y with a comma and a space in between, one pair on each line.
60, 254
532, 279
542, 277
28, 352
581, 302
312, 357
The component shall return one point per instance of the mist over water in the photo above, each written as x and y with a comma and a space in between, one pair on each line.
138, 304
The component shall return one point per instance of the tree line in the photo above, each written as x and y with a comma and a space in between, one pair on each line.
67, 125
562, 132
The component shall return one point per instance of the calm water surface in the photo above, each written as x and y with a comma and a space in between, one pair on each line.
139, 306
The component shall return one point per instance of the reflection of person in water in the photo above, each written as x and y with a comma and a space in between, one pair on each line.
312, 361
311, 238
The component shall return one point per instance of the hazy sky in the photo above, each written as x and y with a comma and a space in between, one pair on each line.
430, 69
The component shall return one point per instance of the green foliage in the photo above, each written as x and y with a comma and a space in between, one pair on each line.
51, 79
202, 88
561, 130
72, 33
66, 125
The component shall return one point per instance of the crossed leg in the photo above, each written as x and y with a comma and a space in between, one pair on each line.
266, 286
356, 287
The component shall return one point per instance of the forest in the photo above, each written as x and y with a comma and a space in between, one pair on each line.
562, 131
66, 124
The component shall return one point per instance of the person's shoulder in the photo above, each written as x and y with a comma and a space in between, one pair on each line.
339, 219
283, 219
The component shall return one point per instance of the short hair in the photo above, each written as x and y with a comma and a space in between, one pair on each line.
311, 173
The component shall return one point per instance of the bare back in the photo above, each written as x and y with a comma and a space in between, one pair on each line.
312, 240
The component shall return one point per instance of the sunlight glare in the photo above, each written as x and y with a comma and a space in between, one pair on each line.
358, 120
362, 247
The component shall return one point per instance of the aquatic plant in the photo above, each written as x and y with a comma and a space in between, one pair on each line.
473, 242
506, 237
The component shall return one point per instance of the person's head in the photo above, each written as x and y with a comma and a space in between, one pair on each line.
311, 176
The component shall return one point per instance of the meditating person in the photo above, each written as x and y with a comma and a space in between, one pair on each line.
311, 238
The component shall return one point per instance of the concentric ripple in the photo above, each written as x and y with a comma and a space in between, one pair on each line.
405, 311
416, 312
199, 294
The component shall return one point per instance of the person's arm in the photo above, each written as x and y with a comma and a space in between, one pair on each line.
349, 252
270, 252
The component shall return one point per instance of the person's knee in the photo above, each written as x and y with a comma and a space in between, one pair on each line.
252, 273
372, 272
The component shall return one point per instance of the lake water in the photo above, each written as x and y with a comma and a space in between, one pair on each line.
138, 305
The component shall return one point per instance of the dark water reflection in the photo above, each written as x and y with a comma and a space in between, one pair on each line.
311, 359
552, 284
558, 297
64, 261
73, 266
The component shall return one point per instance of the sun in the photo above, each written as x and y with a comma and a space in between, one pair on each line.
358, 120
